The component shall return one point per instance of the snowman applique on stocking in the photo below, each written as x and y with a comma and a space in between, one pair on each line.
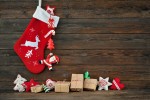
30, 46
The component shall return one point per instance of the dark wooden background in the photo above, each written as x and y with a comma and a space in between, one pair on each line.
108, 38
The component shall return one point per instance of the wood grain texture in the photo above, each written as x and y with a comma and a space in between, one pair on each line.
126, 72
88, 57
78, 8
104, 95
112, 25
89, 41
107, 38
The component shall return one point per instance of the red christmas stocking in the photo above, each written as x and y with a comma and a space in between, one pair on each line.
30, 46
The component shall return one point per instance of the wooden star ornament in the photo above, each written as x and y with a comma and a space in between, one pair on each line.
29, 84
103, 83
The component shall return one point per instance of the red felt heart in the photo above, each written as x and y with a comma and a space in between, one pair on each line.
28, 85
117, 80
116, 85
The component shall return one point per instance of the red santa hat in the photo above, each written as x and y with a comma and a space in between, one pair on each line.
57, 58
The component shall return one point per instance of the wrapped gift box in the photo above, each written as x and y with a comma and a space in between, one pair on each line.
90, 84
37, 88
77, 82
62, 86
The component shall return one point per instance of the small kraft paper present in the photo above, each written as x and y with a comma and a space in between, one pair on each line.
37, 88
62, 86
90, 84
77, 82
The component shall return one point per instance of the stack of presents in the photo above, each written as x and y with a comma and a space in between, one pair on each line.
79, 82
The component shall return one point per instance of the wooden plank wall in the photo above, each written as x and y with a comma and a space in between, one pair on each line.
105, 37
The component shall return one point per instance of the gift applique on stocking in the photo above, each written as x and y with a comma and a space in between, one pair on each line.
30, 46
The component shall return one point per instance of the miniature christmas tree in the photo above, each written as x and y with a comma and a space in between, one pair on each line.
50, 44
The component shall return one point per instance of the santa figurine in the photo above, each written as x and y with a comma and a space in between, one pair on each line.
51, 59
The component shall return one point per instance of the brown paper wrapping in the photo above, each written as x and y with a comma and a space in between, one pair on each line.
90, 84
37, 88
62, 86
77, 82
